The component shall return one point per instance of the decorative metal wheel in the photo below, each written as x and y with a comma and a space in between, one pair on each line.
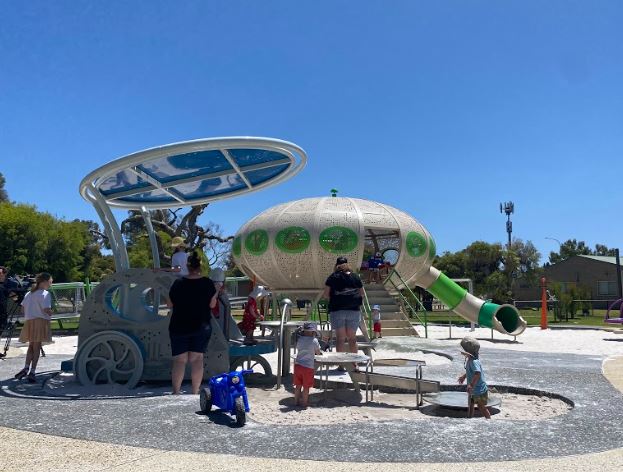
262, 372
109, 357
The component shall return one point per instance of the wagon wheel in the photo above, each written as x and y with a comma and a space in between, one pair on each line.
109, 357
262, 372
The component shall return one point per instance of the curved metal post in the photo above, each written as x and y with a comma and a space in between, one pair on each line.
155, 255
111, 228
286, 304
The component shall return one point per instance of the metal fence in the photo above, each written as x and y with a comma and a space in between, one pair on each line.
67, 298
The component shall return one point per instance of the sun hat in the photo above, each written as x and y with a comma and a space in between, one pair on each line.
217, 275
259, 291
341, 260
310, 326
470, 346
376, 307
178, 241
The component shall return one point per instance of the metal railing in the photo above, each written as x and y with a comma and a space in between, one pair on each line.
413, 312
367, 311
287, 303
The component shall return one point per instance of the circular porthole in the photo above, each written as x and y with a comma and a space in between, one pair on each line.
338, 240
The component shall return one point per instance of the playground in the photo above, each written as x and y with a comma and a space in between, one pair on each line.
570, 408
111, 383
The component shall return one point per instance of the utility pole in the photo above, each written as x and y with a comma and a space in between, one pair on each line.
618, 261
509, 209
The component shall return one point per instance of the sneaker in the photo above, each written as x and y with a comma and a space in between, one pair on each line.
31, 378
21, 374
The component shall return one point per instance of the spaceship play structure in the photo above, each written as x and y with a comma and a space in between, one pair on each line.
291, 248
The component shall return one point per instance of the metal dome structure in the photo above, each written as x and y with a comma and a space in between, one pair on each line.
292, 248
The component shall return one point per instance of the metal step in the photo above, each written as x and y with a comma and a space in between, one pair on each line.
406, 331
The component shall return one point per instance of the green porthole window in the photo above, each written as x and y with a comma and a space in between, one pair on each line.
432, 251
292, 239
338, 240
256, 242
236, 246
416, 244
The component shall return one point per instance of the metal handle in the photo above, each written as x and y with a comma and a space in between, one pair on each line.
286, 304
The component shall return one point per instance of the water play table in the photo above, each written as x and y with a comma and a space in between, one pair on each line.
288, 326
343, 359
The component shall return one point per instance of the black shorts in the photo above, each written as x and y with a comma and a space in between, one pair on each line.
193, 342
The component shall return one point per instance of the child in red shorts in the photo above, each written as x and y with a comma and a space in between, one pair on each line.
376, 319
307, 347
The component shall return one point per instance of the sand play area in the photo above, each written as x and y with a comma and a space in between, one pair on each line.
275, 407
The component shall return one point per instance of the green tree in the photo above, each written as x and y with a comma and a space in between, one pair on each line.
32, 241
208, 239
572, 247
4, 196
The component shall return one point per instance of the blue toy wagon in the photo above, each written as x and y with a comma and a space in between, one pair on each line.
229, 393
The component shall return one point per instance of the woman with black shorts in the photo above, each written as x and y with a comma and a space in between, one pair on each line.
192, 297
344, 290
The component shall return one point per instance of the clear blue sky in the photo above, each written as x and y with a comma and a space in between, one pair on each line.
442, 109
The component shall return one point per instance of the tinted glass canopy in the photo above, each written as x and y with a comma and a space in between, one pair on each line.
193, 172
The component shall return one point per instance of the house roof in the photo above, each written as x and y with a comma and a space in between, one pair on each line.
608, 259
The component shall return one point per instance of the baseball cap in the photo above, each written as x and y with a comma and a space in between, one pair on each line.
341, 260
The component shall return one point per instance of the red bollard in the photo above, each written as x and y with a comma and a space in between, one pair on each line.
543, 304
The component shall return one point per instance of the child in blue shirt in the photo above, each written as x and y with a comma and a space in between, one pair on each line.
476, 384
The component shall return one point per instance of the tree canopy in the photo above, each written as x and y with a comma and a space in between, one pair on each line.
4, 196
33, 241
492, 268
208, 239
572, 247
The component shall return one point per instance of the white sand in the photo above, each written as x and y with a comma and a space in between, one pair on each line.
276, 407
568, 341
346, 406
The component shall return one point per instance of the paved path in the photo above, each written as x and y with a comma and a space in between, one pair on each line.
47, 452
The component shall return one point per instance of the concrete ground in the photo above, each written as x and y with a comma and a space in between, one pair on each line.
34, 451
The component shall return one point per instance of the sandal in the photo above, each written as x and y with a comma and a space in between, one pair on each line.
21, 374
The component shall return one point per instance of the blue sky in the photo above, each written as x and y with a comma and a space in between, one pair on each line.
442, 109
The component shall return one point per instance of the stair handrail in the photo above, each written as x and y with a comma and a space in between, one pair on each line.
367, 311
406, 301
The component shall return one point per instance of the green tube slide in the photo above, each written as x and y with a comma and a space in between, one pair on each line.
502, 318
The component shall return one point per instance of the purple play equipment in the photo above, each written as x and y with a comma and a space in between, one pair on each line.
618, 320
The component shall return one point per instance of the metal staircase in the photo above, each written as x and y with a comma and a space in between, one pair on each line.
394, 320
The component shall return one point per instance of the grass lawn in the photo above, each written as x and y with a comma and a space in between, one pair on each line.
533, 318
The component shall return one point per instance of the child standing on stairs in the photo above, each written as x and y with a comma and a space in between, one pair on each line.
376, 320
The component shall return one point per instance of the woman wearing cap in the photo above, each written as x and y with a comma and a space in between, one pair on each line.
344, 290
192, 298
179, 258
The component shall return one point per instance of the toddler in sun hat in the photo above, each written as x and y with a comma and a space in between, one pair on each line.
307, 347
376, 320
477, 389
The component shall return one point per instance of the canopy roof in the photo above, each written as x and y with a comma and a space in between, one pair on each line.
193, 172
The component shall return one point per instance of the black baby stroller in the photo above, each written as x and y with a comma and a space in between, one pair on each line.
10, 310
